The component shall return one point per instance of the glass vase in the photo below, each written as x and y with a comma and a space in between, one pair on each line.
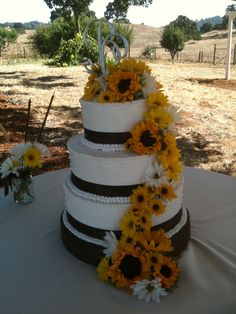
22, 189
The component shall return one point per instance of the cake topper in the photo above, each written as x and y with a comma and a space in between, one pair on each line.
109, 41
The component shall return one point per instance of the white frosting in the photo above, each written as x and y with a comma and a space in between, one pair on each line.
106, 212
103, 147
106, 168
115, 117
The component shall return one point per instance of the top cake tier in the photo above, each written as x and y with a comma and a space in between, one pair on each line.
110, 123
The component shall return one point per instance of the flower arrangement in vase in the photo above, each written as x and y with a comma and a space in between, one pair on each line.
16, 170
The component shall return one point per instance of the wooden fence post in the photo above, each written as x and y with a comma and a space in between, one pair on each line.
234, 57
214, 55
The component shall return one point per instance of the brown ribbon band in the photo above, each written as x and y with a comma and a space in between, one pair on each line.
106, 137
103, 190
100, 233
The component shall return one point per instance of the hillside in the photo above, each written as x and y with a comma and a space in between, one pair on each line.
147, 36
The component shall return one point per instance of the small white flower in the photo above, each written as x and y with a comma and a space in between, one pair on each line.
149, 84
110, 244
8, 168
43, 149
19, 149
155, 175
175, 112
149, 290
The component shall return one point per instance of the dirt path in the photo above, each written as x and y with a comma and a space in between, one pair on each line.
206, 134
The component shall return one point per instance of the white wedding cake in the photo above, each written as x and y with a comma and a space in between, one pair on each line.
124, 206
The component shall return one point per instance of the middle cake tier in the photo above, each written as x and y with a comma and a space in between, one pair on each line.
118, 171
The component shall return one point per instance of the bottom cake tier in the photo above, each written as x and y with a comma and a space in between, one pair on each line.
87, 243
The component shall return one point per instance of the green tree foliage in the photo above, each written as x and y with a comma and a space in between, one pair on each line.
187, 26
118, 9
173, 39
206, 27
55, 41
7, 36
68, 8
47, 39
75, 51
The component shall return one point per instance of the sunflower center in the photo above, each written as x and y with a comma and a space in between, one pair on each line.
147, 139
140, 198
156, 207
30, 157
154, 259
166, 271
106, 98
130, 266
164, 191
124, 85
156, 176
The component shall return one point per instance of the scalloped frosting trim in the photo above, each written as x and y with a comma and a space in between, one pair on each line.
114, 104
102, 147
180, 225
102, 243
81, 235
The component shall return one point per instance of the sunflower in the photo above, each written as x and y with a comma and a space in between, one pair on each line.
124, 85
168, 270
103, 268
157, 207
32, 158
168, 140
134, 65
140, 197
174, 170
157, 241
167, 192
127, 224
161, 117
145, 139
143, 222
169, 156
91, 89
128, 265
106, 97
157, 99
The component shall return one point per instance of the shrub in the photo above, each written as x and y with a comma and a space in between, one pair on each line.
75, 51
47, 39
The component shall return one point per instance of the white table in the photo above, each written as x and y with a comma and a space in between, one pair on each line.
39, 276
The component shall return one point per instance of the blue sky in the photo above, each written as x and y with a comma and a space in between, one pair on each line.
160, 13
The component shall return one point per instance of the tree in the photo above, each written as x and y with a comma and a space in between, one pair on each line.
188, 26
173, 39
69, 7
7, 36
206, 27
117, 9
225, 17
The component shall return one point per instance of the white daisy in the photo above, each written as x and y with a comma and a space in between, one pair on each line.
149, 84
110, 244
149, 290
175, 112
8, 168
43, 149
19, 149
155, 175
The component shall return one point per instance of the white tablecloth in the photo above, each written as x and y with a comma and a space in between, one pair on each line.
39, 276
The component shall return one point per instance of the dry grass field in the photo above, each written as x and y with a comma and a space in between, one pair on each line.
206, 134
